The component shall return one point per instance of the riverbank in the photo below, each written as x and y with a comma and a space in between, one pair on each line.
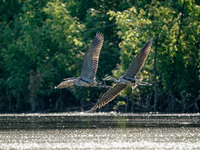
95, 120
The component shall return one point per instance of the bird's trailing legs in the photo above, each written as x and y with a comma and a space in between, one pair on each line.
139, 81
145, 83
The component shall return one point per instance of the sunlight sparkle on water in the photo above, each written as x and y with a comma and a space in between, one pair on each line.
127, 138
99, 131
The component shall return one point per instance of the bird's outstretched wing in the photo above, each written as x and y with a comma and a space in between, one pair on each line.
64, 84
91, 58
109, 96
138, 62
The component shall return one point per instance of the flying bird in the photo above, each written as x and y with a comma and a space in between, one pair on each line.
129, 78
89, 66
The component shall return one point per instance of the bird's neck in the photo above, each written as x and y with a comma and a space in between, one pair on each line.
115, 80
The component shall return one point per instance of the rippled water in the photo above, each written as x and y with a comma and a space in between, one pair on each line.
99, 131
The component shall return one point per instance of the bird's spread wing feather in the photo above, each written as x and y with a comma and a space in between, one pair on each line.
65, 84
109, 96
91, 58
138, 62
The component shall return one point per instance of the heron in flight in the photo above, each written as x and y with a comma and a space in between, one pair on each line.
129, 78
89, 66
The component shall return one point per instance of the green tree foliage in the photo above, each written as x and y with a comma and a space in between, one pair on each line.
42, 42
177, 25
41, 45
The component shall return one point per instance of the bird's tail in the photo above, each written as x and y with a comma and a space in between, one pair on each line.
64, 84
66, 79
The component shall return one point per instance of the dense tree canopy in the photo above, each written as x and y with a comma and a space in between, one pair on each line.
42, 42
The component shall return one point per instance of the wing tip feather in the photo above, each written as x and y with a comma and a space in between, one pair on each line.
100, 35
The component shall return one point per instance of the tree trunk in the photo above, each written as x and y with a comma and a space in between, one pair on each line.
172, 100
132, 106
10, 101
147, 107
127, 104
155, 73
195, 103
32, 101
18, 105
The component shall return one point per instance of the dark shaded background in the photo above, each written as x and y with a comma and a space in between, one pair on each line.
42, 42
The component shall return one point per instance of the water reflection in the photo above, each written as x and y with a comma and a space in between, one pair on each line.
99, 131
111, 138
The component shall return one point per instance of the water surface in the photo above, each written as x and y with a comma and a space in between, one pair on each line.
99, 131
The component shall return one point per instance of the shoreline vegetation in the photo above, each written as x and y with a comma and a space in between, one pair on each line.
43, 42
